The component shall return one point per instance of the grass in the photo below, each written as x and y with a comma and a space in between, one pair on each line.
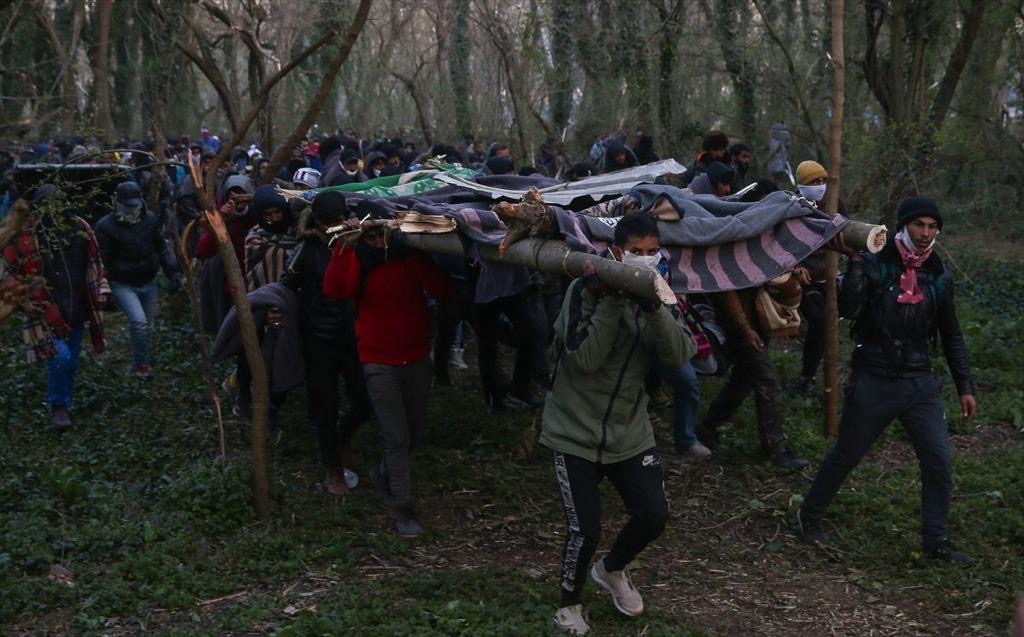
157, 533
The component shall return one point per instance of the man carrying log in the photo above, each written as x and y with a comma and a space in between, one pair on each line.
595, 420
899, 299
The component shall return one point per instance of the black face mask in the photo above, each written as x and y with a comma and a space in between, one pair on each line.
277, 227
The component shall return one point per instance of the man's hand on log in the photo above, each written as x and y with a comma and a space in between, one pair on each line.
593, 283
838, 243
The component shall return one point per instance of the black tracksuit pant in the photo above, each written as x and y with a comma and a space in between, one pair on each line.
326, 362
640, 482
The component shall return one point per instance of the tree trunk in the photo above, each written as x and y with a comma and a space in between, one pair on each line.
831, 385
65, 59
458, 68
101, 66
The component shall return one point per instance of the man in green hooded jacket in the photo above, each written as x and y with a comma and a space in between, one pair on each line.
595, 420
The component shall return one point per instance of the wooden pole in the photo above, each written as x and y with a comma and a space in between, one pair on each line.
831, 385
554, 257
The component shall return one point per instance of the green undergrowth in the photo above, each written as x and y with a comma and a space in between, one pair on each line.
158, 533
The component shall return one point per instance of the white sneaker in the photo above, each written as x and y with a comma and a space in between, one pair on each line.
570, 619
624, 595
351, 478
455, 359
697, 451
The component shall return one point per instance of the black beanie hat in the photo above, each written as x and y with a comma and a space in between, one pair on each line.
329, 208
368, 207
914, 207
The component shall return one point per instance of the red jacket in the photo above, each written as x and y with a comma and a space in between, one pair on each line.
392, 323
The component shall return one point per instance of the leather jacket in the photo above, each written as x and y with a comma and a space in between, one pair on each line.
894, 339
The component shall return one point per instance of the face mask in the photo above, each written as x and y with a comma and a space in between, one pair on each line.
376, 173
640, 261
904, 237
813, 193
127, 214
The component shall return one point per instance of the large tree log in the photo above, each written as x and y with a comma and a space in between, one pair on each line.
554, 257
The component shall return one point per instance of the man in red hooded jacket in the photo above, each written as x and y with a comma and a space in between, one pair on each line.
388, 285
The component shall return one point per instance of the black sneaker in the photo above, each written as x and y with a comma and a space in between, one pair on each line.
947, 552
60, 419
407, 525
786, 459
808, 528
381, 485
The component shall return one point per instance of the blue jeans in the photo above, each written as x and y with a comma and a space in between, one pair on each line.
61, 368
685, 403
138, 302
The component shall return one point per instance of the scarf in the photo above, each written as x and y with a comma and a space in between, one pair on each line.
42, 320
911, 293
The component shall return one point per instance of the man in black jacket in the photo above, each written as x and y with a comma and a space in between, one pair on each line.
899, 299
133, 250
328, 343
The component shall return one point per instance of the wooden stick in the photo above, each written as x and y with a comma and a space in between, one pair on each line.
831, 384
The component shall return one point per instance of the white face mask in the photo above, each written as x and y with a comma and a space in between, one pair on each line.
640, 261
814, 193
904, 237
351, 173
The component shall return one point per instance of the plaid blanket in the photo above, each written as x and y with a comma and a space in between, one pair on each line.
41, 319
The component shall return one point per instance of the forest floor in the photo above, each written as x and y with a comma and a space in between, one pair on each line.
131, 524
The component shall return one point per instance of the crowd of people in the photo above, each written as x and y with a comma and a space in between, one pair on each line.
359, 311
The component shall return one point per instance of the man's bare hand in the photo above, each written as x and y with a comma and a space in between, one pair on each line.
753, 339
968, 407
802, 275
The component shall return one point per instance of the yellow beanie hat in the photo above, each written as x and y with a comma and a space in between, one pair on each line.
808, 171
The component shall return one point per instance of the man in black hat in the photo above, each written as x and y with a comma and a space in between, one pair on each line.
133, 250
899, 299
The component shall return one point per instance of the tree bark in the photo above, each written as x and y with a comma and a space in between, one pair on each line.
831, 385
101, 66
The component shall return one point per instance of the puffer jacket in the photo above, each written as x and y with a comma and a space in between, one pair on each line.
606, 345
134, 253
323, 318
893, 339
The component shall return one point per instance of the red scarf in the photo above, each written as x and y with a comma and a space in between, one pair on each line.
911, 293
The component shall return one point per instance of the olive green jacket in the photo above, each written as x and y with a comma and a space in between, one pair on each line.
604, 347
